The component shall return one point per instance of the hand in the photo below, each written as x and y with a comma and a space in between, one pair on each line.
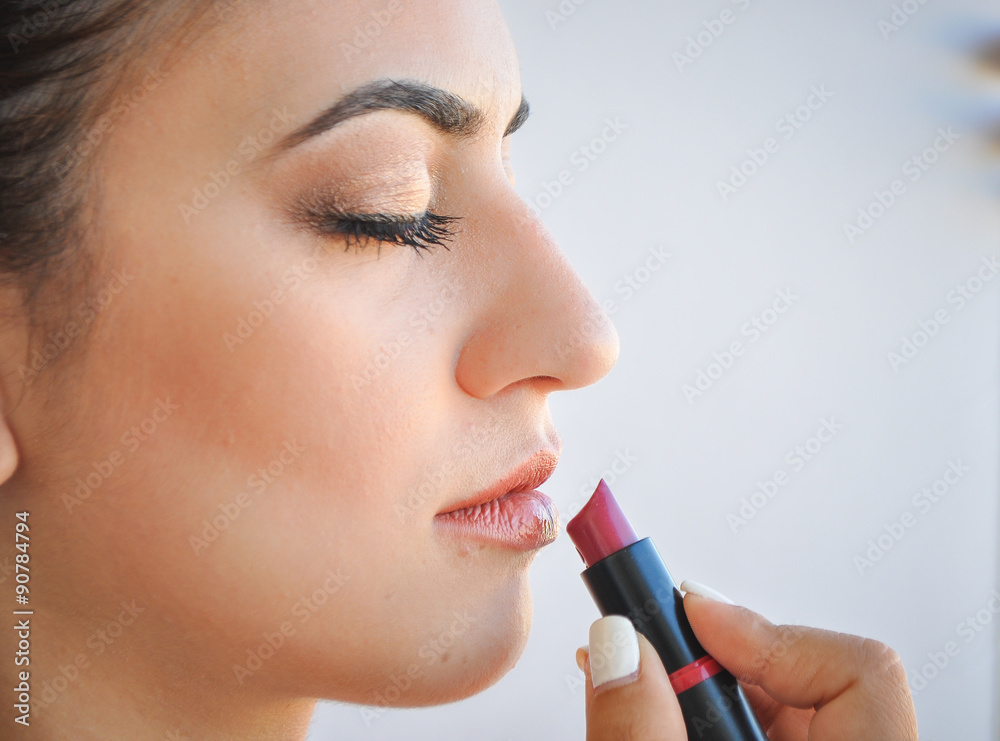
804, 683
633, 700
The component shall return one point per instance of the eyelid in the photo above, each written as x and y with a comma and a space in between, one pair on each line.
421, 231
362, 197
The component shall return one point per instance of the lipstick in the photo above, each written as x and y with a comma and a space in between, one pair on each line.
626, 576
511, 513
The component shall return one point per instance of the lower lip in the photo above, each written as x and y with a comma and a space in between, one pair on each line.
520, 521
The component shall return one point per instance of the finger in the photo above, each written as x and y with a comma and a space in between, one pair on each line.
765, 707
633, 699
782, 723
810, 668
795, 665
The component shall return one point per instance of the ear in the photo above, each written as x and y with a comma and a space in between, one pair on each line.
8, 450
13, 347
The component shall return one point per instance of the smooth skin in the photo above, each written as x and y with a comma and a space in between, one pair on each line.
323, 463
326, 575
805, 684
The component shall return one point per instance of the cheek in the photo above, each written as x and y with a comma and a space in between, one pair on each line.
277, 497
260, 342
275, 464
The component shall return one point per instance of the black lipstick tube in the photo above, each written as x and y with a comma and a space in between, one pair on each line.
635, 583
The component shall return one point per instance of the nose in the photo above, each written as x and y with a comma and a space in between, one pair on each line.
537, 321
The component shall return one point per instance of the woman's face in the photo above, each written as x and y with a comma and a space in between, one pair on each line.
265, 425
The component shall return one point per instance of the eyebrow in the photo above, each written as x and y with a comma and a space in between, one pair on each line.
447, 112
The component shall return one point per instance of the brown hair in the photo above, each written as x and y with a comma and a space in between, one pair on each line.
65, 71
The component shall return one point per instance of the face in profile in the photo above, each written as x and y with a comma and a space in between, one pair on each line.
327, 320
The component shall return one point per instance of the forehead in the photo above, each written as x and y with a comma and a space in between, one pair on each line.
307, 54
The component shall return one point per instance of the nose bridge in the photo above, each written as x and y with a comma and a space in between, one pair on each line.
538, 319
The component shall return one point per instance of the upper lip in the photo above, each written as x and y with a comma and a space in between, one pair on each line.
531, 474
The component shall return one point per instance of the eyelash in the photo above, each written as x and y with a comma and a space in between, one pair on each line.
421, 231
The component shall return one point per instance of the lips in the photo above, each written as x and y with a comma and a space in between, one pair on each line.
529, 475
510, 513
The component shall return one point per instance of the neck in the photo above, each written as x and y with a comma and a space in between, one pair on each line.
116, 682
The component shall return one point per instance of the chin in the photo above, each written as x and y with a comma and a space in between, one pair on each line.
479, 659
476, 673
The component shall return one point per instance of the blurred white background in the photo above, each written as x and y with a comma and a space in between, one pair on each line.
688, 465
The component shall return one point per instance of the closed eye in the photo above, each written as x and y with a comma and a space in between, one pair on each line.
421, 231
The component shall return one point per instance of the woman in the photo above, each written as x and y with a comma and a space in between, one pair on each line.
278, 333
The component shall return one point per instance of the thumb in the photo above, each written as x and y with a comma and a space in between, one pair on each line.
628, 695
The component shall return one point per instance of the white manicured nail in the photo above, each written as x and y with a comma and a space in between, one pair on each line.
702, 591
614, 651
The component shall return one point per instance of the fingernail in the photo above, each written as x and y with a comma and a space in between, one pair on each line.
702, 591
614, 651
581, 657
